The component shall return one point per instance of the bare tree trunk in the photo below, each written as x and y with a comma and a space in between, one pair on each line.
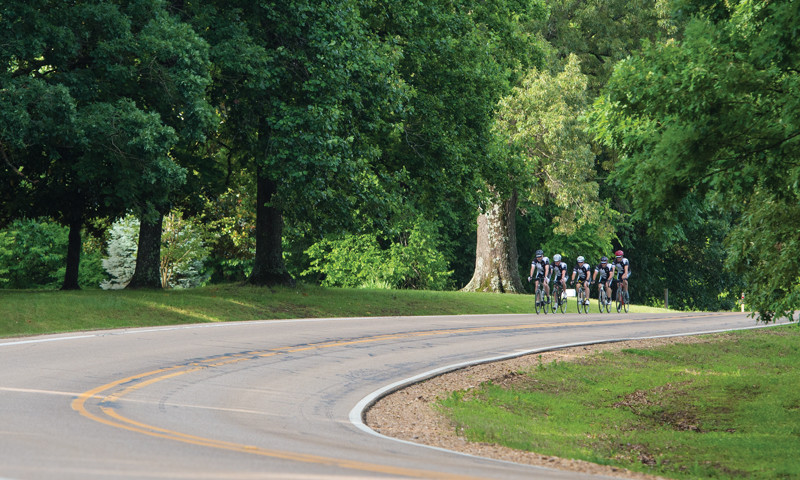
269, 268
73, 250
496, 253
148, 256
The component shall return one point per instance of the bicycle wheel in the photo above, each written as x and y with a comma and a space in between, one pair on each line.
584, 303
554, 301
563, 302
627, 300
545, 302
538, 300
579, 299
620, 302
601, 299
608, 304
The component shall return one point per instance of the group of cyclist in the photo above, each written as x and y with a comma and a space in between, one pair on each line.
606, 275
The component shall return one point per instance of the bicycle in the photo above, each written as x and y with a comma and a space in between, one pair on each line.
580, 296
541, 298
559, 298
623, 299
603, 301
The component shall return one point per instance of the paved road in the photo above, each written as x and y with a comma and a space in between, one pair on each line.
264, 400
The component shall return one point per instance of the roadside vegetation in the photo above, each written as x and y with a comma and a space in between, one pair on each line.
34, 312
726, 407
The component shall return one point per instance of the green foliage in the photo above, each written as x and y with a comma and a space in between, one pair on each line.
183, 252
32, 256
713, 118
603, 32
229, 220
720, 408
359, 260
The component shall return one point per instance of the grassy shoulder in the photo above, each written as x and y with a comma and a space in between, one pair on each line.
727, 407
37, 312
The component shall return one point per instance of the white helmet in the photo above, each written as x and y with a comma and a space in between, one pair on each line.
557, 257
580, 259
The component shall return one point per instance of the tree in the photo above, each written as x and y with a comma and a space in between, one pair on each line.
458, 63
77, 138
714, 118
542, 136
300, 85
120, 262
181, 243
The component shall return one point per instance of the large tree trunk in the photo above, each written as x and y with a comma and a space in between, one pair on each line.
73, 251
148, 256
496, 253
269, 268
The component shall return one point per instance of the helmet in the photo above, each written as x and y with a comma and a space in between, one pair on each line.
581, 259
556, 258
539, 253
618, 253
604, 260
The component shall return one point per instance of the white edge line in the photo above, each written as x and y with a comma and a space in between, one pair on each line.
45, 338
56, 337
358, 412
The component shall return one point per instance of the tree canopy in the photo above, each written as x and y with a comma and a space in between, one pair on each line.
713, 118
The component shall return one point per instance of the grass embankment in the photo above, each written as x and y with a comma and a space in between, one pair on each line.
728, 407
38, 312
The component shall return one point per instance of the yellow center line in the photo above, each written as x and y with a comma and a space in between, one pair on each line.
108, 394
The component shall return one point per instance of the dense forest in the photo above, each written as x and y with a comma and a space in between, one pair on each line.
430, 144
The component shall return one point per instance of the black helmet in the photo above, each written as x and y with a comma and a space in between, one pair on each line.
604, 260
539, 253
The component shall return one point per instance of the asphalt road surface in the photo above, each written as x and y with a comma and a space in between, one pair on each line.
268, 399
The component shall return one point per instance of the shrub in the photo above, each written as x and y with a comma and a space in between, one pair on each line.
413, 261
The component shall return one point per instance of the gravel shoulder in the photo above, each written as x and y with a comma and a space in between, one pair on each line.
408, 414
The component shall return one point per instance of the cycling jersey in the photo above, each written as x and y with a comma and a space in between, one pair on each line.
559, 267
605, 272
619, 267
539, 265
582, 271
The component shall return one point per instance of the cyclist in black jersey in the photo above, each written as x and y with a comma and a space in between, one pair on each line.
622, 270
559, 271
541, 266
606, 273
582, 271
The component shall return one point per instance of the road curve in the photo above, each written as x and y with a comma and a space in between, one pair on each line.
267, 399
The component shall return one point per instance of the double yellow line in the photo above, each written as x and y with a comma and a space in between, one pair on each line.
106, 396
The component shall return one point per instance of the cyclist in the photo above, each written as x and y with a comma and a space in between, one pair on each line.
542, 266
606, 273
622, 269
582, 270
560, 272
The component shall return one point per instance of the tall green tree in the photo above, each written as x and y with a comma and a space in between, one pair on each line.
541, 135
458, 60
301, 87
714, 118
79, 137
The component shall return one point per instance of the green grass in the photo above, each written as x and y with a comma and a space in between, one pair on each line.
37, 312
727, 408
